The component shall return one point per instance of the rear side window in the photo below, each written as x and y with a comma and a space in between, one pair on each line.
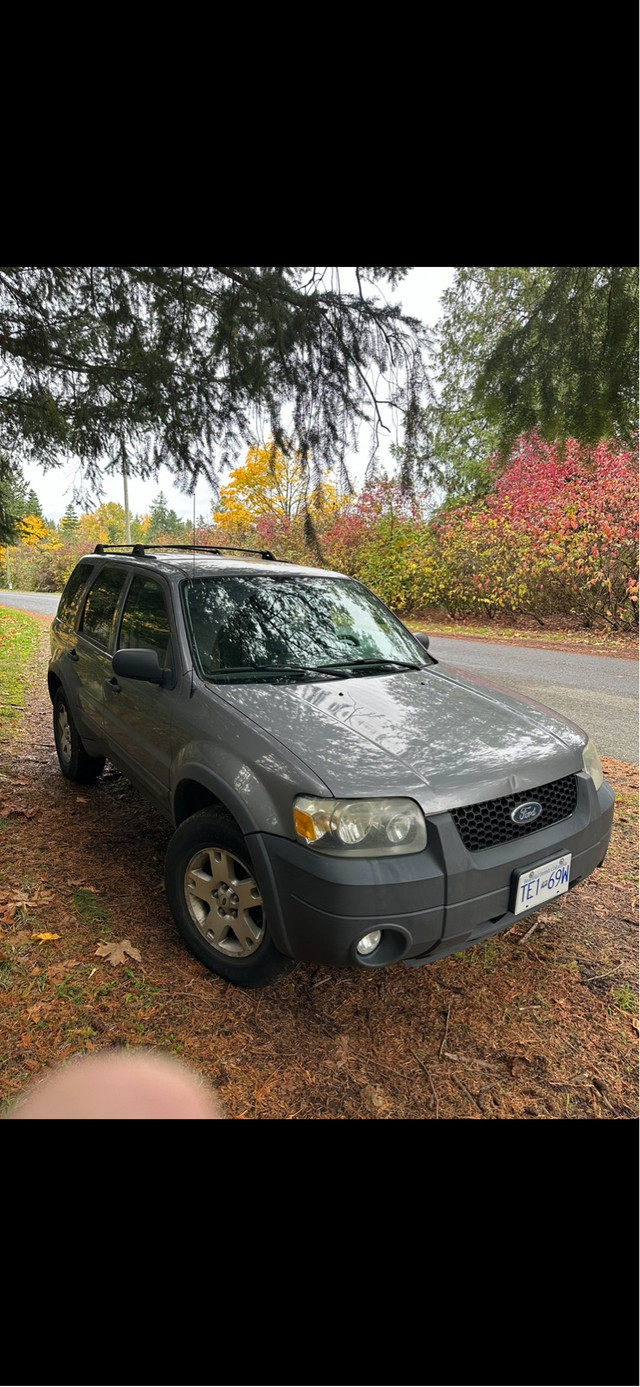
69, 604
101, 604
145, 623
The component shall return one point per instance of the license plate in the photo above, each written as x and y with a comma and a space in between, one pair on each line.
540, 884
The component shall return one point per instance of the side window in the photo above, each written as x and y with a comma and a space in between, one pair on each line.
69, 604
145, 622
101, 604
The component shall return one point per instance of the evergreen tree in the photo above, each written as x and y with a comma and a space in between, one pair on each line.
570, 368
523, 348
480, 305
68, 527
16, 500
164, 524
189, 365
33, 504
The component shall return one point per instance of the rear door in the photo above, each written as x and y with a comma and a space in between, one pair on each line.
65, 661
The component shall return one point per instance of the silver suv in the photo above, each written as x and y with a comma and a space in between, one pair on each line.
337, 794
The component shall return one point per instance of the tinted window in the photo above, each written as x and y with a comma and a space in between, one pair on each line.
101, 605
69, 605
145, 623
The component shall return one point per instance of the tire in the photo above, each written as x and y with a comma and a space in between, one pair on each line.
216, 902
75, 762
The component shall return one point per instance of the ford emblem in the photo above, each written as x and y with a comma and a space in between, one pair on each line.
526, 813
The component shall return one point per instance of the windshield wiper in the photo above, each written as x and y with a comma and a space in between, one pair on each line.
273, 669
379, 660
333, 669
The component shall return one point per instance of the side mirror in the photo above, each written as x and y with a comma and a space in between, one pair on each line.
138, 664
422, 637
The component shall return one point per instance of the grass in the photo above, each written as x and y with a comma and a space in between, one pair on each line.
625, 998
89, 910
19, 639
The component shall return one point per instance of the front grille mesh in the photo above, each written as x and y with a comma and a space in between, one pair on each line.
484, 825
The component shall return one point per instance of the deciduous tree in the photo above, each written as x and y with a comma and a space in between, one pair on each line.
271, 483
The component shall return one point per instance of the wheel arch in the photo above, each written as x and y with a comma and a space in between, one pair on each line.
199, 787
53, 683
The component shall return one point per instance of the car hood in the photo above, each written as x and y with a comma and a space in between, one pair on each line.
432, 734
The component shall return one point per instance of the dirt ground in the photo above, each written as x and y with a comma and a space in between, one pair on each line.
539, 1023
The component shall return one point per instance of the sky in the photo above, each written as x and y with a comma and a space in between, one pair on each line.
419, 294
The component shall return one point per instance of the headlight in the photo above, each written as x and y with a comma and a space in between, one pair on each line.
591, 763
360, 827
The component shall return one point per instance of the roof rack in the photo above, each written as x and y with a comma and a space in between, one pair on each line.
139, 551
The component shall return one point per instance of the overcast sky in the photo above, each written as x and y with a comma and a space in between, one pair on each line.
419, 295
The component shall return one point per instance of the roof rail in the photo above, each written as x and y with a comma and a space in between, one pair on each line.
139, 551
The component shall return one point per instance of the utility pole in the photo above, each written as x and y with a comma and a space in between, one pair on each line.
127, 526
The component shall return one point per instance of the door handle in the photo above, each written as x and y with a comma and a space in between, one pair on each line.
113, 685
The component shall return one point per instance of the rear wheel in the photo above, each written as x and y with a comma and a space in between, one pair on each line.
217, 903
75, 762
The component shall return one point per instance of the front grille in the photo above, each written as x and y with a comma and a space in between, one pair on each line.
484, 825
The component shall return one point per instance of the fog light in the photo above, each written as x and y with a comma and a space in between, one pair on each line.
369, 942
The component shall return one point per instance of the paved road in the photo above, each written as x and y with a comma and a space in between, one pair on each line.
599, 692
43, 602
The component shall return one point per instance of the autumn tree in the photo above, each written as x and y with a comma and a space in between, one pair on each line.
185, 366
104, 525
271, 482
32, 531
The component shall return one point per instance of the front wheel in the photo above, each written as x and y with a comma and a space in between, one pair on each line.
217, 903
74, 761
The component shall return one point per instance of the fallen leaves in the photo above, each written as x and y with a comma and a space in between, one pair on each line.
116, 953
13, 900
60, 970
44, 936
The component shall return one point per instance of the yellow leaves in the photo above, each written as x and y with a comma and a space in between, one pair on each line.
44, 936
32, 530
271, 484
104, 525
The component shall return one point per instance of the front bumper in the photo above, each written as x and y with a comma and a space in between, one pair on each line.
427, 904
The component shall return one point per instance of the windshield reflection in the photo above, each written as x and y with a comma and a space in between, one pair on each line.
282, 628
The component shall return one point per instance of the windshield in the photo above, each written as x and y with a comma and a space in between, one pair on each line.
283, 628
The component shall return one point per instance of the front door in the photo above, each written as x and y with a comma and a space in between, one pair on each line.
138, 714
